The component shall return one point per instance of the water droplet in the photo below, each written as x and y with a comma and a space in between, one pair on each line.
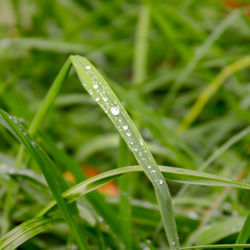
88, 67
33, 143
160, 181
135, 149
97, 99
95, 86
149, 167
153, 171
104, 99
115, 110
173, 243
128, 134
125, 127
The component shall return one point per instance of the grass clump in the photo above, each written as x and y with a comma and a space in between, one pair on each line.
170, 140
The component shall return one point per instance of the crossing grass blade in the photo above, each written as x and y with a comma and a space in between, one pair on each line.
72, 194
172, 174
52, 175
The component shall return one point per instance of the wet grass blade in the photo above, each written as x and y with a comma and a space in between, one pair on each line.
52, 175
97, 87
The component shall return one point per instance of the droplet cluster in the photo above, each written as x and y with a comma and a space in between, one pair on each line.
106, 99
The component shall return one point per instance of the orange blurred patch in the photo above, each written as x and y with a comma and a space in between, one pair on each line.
234, 4
109, 189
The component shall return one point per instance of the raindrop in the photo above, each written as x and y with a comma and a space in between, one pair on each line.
149, 166
125, 127
104, 99
160, 181
33, 143
97, 99
115, 110
153, 171
95, 86
88, 67
128, 134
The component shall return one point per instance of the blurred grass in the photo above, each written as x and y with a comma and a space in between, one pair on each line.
159, 57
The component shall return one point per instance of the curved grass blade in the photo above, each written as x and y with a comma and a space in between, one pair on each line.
53, 177
26, 230
172, 174
101, 179
97, 87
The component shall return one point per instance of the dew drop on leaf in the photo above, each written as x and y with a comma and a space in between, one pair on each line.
125, 127
115, 110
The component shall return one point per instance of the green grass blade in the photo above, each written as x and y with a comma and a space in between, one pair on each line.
25, 231
244, 233
200, 52
169, 31
141, 45
182, 175
217, 246
103, 208
172, 174
209, 91
53, 177
48, 101
125, 193
105, 97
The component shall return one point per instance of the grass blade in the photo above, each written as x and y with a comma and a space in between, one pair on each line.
182, 175
211, 89
54, 179
105, 97
172, 174
141, 45
201, 51
26, 230
244, 233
